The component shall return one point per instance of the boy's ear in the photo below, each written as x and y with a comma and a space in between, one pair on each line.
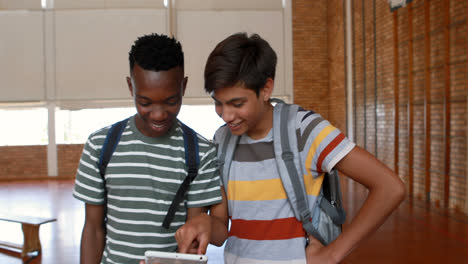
184, 85
130, 86
268, 89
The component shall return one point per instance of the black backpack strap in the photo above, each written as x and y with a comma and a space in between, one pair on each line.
108, 148
192, 160
110, 143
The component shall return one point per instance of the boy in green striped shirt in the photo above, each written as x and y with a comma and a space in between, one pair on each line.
147, 168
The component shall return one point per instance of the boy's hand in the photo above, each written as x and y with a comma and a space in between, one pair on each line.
193, 237
316, 252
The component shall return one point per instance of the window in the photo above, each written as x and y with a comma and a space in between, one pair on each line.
74, 126
24, 126
30, 126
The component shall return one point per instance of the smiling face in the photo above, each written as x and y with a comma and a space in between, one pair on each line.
158, 98
243, 111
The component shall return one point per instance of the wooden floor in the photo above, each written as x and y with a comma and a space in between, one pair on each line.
415, 233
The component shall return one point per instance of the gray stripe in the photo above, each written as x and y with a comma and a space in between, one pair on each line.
248, 171
262, 210
285, 249
302, 139
254, 152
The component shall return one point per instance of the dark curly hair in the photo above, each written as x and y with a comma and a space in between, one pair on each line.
156, 53
240, 60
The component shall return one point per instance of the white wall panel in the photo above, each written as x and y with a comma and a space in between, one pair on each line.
23, 4
92, 50
200, 31
75, 4
21, 56
229, 4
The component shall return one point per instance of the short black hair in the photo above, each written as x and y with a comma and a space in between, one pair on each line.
240, 60
156, 53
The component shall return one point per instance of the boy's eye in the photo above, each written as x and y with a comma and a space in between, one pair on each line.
238, 104
173, 101
144, 104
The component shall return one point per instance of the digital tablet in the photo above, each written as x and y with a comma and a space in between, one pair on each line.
159, 257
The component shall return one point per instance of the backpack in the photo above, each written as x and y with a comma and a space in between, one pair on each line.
325, 222
192, 160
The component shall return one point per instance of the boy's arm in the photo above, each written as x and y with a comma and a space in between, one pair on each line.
386, 192
201, 228
94, 234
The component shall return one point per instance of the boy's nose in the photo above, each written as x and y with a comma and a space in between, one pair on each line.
158, 113
227, 115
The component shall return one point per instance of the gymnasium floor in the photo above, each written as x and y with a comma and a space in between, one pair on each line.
415, 233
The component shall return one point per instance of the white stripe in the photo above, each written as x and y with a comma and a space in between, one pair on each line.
139, 234
77, 182
191, 203
205, 181
200, 171
94, 146
88, 165
139, 199
164, 146
144, 153
340, 156
133, 176
135, 245
151, 223
206, 154
98, 136
118, 253
204, 190
145, 165
91, 157
90, 177
149, 211
131, 187
86, 198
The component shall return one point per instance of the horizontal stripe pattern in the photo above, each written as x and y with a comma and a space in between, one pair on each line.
265, 251
284, 228
262, 220
142, 179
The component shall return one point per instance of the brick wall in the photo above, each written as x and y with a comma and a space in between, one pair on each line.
374, 111
30, 162
310, 54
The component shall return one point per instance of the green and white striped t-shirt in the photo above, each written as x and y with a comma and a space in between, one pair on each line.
142, 178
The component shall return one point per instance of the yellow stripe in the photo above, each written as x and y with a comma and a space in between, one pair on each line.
313, 185
256, 190
265, 190
320, 137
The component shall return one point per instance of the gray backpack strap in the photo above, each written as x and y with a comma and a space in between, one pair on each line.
332, 191
225, 155
287, 159
226, 150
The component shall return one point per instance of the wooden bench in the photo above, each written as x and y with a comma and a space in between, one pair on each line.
30, 226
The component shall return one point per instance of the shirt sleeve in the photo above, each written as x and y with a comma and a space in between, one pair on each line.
205, 189
89, 186
323, 145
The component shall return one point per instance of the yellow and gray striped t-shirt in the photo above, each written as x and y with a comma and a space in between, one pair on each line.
263, 226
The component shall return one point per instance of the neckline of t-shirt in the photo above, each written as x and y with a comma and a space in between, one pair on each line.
246, 139
145, 138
